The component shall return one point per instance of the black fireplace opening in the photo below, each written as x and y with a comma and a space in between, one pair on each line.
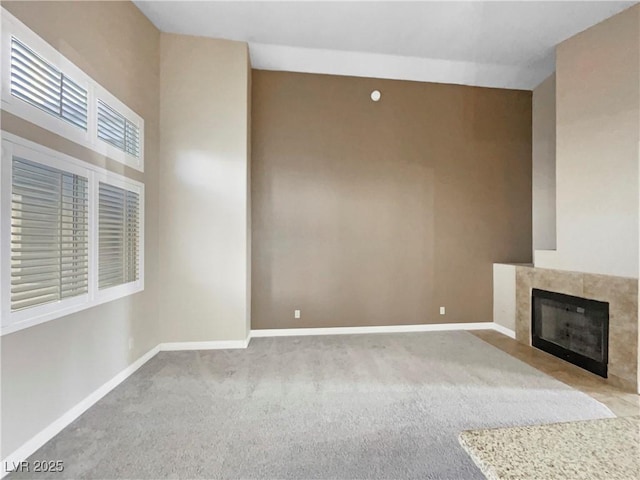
572, 328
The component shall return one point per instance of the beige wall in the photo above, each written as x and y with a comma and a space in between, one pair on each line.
49, 368
598, 126
544, 165
204, 205
378, 213
504, 295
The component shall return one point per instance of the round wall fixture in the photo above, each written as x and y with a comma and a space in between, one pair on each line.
375, 95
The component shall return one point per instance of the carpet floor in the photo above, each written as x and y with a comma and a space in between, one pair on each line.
356, 406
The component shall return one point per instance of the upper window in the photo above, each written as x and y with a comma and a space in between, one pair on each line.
115, 129
39, 83
71, 235
43, 87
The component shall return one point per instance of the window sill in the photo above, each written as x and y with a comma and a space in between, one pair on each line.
52, 311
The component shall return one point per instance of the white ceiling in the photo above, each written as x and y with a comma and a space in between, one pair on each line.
502, 44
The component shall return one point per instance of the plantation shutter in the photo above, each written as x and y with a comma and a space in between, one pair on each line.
39, 83
132, 237
118, 235
74, 103
115, 129
49, 235
132, 139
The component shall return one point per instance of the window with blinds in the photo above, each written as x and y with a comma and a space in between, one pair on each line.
115, 129
72, 235
118, 235
49, 235
36, 81
46, 88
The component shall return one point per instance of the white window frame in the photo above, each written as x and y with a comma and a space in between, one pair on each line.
13, 321
12, 27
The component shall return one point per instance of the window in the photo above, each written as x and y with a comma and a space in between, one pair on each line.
43, 87
49, 234
117, 130
71, 235
119, 235
41, 84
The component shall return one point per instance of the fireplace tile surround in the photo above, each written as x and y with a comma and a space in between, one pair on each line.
622, 296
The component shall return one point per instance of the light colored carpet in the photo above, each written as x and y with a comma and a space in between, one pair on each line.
357, 406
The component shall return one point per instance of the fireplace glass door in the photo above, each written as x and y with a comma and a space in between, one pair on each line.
573, 328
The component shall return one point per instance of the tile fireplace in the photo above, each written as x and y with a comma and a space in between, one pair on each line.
513, 308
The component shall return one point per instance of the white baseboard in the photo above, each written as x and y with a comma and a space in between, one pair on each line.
503, 330
42, 437
212, 345
436, 327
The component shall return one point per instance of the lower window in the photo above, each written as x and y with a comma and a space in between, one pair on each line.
71, 235
118, 235
49, 234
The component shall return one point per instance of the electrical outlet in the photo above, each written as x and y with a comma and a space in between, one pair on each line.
296, 314
441, 310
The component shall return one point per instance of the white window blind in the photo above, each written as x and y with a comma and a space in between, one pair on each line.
36, 81
49, 234
115, 129
118, 235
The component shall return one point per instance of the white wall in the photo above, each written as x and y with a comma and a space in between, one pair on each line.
598, 126
204, 185
544, 165
504, 295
